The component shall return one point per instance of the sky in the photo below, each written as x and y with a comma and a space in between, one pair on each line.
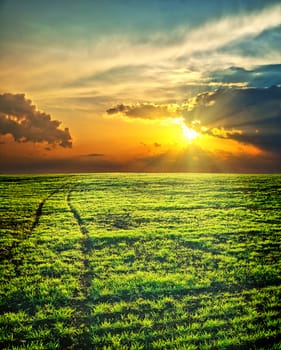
140, 86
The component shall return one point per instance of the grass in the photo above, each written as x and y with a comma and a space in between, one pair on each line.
140, 262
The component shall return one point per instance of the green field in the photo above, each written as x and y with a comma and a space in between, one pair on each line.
137, 261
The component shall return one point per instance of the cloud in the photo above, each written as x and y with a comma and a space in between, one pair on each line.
263, 44
220, 33
249, 115
116, 74
144, 111
129, 64
95, 155
156, 144
19, 118
261, 76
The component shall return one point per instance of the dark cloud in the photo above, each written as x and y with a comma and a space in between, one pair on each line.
248, 115
261, 76
143, 111
251, 115
19, 118
118, 109
95, 155
156, 144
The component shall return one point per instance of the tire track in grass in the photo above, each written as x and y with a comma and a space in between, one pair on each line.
65, 341
86, 277
39, 209
38, 213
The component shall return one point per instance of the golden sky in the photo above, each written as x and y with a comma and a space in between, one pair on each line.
157, 86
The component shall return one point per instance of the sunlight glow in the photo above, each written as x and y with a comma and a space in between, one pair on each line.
189, 134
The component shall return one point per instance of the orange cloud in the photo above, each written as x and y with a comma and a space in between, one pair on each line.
144, 111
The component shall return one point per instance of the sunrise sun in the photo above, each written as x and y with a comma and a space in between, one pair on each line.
189, 133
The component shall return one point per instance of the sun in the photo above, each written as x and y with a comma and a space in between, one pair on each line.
188, 133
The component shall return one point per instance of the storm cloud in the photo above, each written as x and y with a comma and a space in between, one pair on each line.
20, 118
260, 76
249, 115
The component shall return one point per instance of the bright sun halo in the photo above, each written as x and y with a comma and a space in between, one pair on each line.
188, 133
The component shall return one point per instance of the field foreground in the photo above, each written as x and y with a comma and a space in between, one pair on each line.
123, 261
